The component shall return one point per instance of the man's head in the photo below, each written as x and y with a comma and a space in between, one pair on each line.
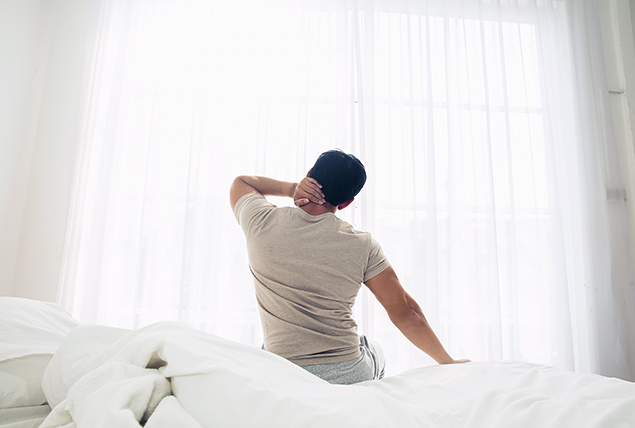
341, 175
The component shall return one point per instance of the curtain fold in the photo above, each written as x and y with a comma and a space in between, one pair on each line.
493, 185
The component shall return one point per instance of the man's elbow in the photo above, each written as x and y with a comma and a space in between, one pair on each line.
236, 190
241, 185
238, 182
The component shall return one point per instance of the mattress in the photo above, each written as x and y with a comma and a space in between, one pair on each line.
100, 373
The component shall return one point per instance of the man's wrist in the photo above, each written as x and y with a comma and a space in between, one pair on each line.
291, 188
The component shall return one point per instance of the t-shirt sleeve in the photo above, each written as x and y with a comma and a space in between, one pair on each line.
251, 209
377, 261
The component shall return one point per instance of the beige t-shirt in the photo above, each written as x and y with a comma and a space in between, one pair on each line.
307, 272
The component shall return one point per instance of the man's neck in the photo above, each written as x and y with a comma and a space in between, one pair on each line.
317, 209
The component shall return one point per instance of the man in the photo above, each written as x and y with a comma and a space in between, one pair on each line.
308, 266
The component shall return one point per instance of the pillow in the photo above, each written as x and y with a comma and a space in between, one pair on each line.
21, 381
31, 327
30, 333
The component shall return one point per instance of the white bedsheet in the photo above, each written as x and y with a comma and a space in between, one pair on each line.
221, 383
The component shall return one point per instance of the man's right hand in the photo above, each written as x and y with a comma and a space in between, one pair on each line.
308, 190
462, 361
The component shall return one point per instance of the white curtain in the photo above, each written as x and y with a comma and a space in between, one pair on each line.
493, 186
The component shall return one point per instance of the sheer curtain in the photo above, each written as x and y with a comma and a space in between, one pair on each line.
493, 185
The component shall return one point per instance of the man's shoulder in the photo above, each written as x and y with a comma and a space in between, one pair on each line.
349, 228
250, 205
250, 197
348, 231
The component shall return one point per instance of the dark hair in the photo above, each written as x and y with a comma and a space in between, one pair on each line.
341, 175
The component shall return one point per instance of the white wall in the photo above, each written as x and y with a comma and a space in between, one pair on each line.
42, 46
632, 7
25, 27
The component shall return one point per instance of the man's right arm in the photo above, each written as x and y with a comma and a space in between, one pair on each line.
407, 315
307, 190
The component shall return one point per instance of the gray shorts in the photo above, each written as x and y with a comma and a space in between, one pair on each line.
367, 367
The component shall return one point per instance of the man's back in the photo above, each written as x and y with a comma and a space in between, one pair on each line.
308, 267
308, 270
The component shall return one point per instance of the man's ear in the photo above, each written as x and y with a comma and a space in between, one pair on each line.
345, 204
308, 172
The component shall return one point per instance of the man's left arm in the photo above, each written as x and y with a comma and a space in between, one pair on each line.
407, 315
307, 190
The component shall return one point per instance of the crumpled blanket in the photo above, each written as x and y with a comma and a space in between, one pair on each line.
120, 394
171, 375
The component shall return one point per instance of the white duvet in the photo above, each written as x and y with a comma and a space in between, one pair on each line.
171, 375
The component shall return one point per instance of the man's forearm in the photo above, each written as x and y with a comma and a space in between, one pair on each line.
308, 190
269, 186
407, 315
417, 330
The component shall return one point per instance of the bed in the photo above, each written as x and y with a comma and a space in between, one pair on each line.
171, 375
